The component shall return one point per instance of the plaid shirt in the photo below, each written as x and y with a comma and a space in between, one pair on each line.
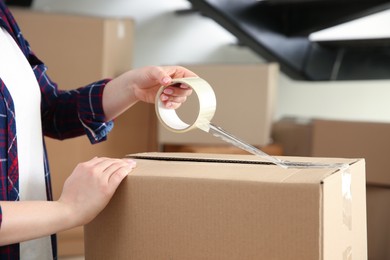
65, 114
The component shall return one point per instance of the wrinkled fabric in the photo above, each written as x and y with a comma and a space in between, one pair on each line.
65, 114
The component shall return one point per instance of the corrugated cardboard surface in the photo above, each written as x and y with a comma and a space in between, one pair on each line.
78, 48
230, 207
351, 139
378, 216
246, 96
367, 140
294, 135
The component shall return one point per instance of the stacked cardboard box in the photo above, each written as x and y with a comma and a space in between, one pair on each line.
246, 95
335, 138
210, 206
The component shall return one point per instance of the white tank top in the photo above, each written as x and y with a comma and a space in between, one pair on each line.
16, 73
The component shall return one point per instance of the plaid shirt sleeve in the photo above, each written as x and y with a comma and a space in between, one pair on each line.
67, 114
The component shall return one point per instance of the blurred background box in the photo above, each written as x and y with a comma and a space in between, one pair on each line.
378, 215
245, 95
294, 135
369, 140
79, 50
337, 138
348, 139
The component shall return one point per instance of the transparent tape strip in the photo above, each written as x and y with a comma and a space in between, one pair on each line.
347, 254
207, 107
347, 198
346, 187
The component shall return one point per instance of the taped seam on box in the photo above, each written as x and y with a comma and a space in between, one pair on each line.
189, 159
207, 106
346, 186
346, 183
347, 254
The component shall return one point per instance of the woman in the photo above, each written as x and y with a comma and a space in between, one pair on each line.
31, 106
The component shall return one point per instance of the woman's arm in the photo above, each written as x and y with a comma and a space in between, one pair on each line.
90, 109
25, 220
142, 85
86, 192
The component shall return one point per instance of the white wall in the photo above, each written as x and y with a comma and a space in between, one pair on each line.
162, 37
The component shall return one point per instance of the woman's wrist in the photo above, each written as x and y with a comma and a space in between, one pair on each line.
118, 96
25, 220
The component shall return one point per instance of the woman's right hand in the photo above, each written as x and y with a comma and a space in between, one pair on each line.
91, 185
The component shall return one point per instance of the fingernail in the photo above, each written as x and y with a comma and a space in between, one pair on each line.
133, 165
168, 91
169, 104
166, 80
164, 97
131, 162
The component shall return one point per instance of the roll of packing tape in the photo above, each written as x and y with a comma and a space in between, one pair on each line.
207, 106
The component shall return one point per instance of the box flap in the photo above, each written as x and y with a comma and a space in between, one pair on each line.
230, 167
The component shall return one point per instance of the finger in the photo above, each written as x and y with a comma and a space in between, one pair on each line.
179, 72
119, 174
119, 166
97, 160
173, 102
105, 167
174, 95
172, 105
178, 90
166, 74
180, 99
100, 163
162, 76
166, 80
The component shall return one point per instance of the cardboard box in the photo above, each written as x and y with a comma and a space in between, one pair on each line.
246, 98
209, 206
294, 135
78, 48
378, 215
337, 138
369, 140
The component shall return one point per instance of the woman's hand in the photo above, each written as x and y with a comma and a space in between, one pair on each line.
86, 192
91, 185
145, 83
142, 85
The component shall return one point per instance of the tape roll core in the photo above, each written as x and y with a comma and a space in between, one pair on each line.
207, 106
